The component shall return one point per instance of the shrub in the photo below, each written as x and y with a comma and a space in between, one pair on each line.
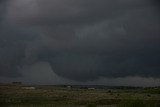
91, 105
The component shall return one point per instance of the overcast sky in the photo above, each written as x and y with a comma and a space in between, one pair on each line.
109, 42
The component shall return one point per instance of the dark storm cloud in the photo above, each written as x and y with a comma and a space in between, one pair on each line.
13, 53
82, 39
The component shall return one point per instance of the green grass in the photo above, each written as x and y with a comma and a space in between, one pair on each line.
139, 103
51, 96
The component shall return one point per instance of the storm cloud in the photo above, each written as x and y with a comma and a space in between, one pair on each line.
81, 40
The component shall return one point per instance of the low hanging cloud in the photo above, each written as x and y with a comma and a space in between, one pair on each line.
82, 40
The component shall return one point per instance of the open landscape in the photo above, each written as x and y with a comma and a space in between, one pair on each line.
79, 53
12, 95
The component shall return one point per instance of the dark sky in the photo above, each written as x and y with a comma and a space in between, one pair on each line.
81, 41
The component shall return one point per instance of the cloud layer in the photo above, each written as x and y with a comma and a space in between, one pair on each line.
82, 40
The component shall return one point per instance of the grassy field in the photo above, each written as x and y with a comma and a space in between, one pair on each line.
61, 96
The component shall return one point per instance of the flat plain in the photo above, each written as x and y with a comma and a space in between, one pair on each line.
12, 95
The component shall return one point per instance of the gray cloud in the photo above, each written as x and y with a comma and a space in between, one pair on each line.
49, 78
83, 39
